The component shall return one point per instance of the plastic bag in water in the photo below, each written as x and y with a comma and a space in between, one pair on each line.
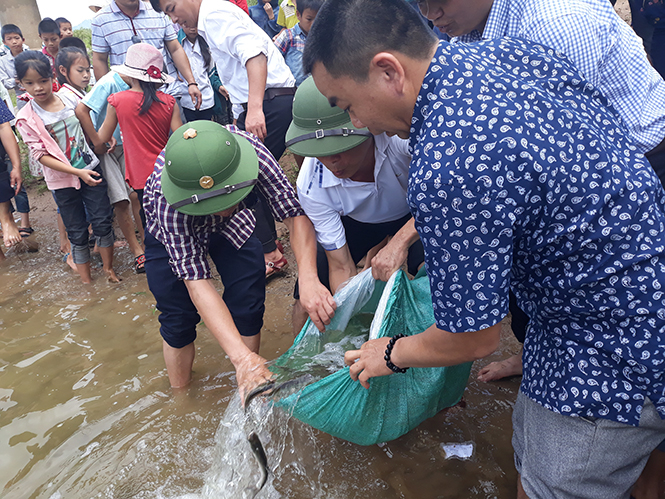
394, 404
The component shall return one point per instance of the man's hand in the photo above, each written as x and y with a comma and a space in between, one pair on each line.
15, 179
88, 176
196, 96
319, 303
251, 371
389, 259
368, 362
255, 122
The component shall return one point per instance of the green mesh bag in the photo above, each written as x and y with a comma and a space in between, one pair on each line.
393, 405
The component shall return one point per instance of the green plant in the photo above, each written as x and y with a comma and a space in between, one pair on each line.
84, 34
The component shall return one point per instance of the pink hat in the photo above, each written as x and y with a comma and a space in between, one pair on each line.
144, 62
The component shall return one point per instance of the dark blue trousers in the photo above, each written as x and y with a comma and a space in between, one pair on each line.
243, 275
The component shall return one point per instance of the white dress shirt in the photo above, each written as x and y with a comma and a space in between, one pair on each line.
326, 198
234, 39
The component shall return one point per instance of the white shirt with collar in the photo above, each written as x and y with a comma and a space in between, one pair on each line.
200, 72
326, 198
233, 39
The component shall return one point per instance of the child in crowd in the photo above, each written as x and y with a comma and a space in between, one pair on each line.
291, 42
146, 115
200, 60
9, 181
12, 37
113, 159
49, 33
55, 138
66, 30
73, 41
73, 70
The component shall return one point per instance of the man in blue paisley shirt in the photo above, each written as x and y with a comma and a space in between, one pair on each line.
523, 178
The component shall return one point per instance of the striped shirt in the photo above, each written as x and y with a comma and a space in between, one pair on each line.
600, 45
187, 237
112, 32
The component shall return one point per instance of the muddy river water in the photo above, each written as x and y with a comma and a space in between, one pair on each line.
86, 410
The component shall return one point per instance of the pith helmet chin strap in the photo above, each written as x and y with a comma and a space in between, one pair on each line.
335, 132
227, 189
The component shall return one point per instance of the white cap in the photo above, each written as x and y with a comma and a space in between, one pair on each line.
98, 5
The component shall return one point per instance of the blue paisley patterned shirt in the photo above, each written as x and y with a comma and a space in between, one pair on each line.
522, 179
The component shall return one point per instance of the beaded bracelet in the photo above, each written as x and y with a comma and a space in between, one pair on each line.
389, 350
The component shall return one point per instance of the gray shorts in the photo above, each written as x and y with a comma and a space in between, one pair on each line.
113, 169
561, 456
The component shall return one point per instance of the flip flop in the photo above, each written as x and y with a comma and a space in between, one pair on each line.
139, 264
25, 231
278, 267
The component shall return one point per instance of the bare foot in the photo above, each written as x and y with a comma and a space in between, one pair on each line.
11, 235
70, 261
512, 366
111, 275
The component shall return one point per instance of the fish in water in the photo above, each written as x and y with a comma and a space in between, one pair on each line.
260, 455
272, 388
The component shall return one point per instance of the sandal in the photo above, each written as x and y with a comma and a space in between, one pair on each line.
139, 264
274, 268
25, 231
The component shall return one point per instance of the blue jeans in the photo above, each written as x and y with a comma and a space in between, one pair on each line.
74, 204
243, 275
21, 200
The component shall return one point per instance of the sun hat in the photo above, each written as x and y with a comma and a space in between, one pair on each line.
207, 169
98, 5
318, 129
144, 62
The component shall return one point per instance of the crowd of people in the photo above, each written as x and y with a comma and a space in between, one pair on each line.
515, 148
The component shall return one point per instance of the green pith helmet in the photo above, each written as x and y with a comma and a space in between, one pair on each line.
207, 168
318, 129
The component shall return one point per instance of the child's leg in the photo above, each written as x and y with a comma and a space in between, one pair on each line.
118, 194
10, 233
136, 212
100, 215
72, 211
23, 207
62, 231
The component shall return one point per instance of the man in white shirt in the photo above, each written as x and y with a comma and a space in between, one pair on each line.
352, 186
249, 65
257, 78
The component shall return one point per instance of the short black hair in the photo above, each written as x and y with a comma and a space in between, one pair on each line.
303, 5
155, 5
62, 20
73, 41
31, 59
10, 29
347, 34
48, 25
66, 57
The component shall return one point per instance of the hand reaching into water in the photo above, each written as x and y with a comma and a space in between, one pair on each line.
251, 371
